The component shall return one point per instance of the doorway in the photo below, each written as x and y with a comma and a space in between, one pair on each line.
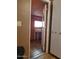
38, 28
36, 38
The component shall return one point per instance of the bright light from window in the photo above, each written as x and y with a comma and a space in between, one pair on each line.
38, 24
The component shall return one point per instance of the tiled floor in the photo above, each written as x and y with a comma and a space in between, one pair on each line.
37, 53
36, 49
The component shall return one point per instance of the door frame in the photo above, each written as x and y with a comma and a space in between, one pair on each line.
50, 25
47, 31
46, 14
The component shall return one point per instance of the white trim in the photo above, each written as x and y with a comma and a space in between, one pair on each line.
30, 27
48, 20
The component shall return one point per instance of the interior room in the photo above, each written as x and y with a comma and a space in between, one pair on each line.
37, 25
38, 29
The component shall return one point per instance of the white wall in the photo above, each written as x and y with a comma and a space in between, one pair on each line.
56, 29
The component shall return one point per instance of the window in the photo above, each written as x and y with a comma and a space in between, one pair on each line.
39, 24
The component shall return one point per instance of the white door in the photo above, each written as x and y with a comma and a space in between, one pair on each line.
55, 46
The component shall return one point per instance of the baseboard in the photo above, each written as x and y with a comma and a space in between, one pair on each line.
54, 55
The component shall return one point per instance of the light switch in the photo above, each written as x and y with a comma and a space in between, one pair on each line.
19, 23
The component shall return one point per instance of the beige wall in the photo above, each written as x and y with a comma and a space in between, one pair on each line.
24, 15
